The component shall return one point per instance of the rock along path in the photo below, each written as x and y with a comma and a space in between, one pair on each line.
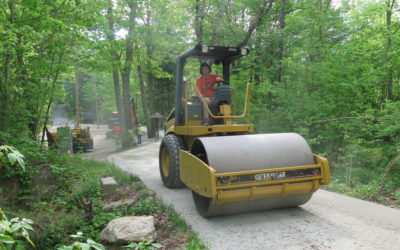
327, 221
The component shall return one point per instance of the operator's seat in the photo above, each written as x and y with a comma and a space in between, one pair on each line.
222, 95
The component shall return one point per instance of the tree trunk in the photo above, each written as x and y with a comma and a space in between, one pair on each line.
256, 22
5, 80
77, 102
42, 96
150, 91
126, 71
150, 88
281, 44
144, 97
151, 133
198, 21
216, 23
4, 91
115, 62
120, 109
53, 86
389, 76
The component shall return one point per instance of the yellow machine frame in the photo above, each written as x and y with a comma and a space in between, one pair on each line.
229, 187
202, 179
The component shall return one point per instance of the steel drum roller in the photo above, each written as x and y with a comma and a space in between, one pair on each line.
251, 152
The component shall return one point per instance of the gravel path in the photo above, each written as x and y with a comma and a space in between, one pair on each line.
328, 221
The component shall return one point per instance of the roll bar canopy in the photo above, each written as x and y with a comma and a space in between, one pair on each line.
220, 54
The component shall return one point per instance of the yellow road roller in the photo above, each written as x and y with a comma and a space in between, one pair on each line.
228, 168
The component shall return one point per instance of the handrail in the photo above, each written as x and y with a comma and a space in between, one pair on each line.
234, 101
247, 101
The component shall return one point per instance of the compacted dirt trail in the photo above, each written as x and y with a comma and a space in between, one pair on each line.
327, 221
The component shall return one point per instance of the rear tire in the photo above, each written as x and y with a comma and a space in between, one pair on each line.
169, 160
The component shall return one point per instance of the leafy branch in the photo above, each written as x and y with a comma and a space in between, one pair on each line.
11, 230
10, 155
89, 244
145, 244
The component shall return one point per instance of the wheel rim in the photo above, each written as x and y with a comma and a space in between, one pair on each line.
165, 162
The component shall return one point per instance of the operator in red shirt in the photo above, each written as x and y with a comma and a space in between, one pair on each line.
206, 85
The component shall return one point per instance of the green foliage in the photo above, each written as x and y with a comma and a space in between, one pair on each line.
139, 187
62, 212
329, 72
13, 167
178, 221
28, 147
148, 206
332, 89
12, 230
195, 243
36, 52
145, 244
89, 244
10, 156
370, 191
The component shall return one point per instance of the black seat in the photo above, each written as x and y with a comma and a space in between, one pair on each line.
222, 95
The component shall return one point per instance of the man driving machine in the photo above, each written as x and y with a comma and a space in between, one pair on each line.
206, 86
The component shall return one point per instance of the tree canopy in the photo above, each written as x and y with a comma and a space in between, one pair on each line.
329, 70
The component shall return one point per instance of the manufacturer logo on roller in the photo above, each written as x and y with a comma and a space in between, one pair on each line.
268, 176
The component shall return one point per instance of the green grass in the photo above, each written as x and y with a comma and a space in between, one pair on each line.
62, 213
371, 191
195, 243
178, 221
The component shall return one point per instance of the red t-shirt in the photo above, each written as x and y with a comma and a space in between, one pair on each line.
202, 82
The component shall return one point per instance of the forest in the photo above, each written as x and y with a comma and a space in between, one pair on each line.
326, 69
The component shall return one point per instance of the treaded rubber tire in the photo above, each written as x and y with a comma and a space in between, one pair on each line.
172, 143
